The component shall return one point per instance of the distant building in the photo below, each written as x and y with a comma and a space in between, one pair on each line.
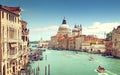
71, 43
78, 42
116, 42
43, 44
108, 47
64, 28
77, 30
75, 40
13, 50
56, 40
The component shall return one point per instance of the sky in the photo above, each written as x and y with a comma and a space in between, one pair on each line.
97, 17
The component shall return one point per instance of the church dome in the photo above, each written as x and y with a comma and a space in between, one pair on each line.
64, 28
75, 30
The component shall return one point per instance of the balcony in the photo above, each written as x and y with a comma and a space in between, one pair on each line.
25, 31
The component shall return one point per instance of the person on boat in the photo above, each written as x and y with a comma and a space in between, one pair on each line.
101, 68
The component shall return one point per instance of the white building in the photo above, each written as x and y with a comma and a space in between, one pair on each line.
63, 31
77, 30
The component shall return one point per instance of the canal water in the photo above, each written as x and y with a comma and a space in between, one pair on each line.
76, 63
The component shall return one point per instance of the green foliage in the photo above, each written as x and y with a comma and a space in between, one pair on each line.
108, 36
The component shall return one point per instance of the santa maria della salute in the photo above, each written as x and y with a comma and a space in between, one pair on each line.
65, 30
73, 39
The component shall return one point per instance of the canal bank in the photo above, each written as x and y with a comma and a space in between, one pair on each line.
72, 63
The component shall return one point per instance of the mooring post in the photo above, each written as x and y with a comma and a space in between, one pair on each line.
45, 70
39, 65
45, 57
48, 69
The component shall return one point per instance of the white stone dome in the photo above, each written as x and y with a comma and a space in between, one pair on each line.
75, 30
64, 27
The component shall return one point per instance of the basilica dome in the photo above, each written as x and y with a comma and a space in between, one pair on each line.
64, 28
75, 30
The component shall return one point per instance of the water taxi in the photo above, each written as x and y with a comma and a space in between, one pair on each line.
101, 69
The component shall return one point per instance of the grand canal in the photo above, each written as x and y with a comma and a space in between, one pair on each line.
76, 63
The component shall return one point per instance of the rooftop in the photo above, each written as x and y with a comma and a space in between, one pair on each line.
14, 10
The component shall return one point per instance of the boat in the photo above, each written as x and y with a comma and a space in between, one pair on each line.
34, 46
42, 49
101, 69
91, 59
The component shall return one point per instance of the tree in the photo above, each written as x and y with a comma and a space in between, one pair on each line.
109, 36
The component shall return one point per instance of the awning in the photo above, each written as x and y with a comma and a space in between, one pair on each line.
13, 45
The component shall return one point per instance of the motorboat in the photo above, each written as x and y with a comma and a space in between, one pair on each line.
101, 69
91, 59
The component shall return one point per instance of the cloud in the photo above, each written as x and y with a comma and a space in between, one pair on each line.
97, 28
100, 28
45, 33
51, 28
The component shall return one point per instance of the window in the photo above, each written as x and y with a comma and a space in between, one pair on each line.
11, 17
20, 46
7, 16
115, 42
2, 14
18, 20
23, 38
15, 19
12, 33
3, 32
3, 47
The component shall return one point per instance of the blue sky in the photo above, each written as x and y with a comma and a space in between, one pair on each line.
45, 16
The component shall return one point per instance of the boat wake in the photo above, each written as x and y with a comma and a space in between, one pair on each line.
107, 73
101, 73
111, 73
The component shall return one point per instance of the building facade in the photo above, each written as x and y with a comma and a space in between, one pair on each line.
25, 44
116, 42
43, 44
56, 40
74, 40
11, 43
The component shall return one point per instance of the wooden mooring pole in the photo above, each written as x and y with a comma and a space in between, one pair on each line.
45, 57
45, 70
39, 65
48, 69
